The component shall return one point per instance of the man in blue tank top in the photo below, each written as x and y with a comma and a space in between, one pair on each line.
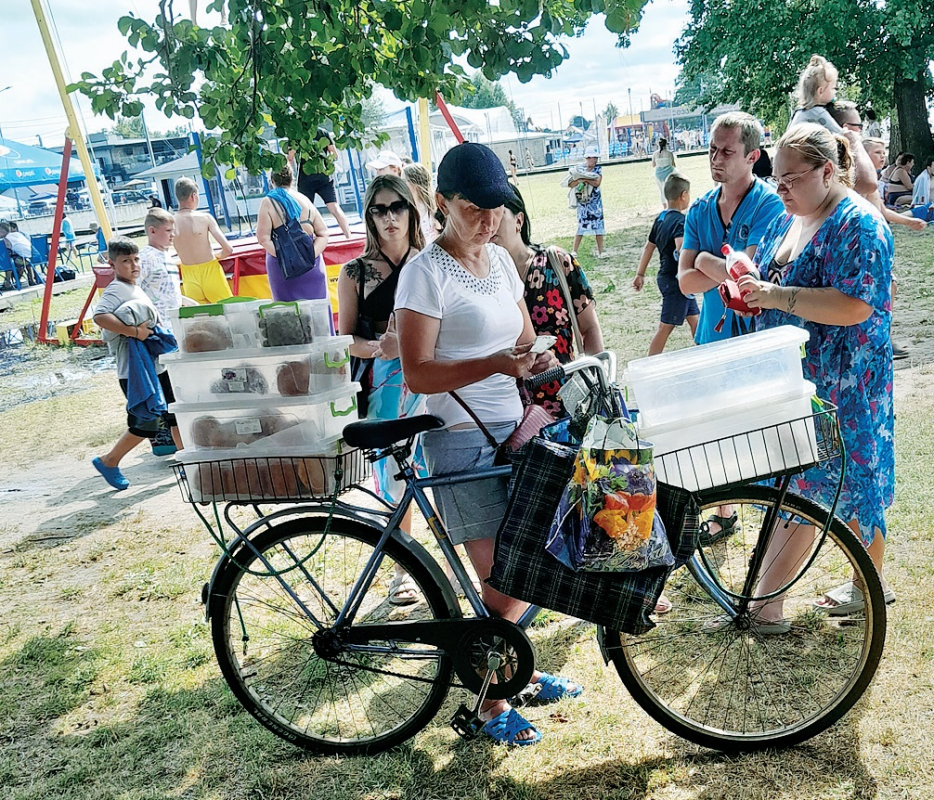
737, 213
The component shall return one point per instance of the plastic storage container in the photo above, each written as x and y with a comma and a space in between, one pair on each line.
286, 324
715, 378
262, 373
750, 442
274, 424
226, 475
217, 327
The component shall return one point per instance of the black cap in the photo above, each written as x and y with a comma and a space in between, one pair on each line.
474, 172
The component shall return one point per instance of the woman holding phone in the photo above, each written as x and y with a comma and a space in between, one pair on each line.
464, 330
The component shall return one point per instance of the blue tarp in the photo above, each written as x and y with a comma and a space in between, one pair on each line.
22, 165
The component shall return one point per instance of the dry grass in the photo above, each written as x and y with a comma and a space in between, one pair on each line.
109, 689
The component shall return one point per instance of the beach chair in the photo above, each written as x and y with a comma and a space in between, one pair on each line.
92, 251
40, 256
7, 265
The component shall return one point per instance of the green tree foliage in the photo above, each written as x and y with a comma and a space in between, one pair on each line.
132, 128
756, 50
295, 64
129, 127
610, 113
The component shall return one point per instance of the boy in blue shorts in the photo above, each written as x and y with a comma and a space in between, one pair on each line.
125, 312
666, 236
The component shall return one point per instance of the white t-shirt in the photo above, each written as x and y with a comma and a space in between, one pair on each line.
479, 317
132, 306
922, 192
159, 278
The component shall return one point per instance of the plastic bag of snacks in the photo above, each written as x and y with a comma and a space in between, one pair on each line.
606, 520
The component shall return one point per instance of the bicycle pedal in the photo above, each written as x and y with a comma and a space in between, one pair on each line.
466, 723
527, 694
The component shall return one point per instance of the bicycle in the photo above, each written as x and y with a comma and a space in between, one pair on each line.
308, 643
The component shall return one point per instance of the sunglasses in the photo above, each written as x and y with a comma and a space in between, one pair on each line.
378, 211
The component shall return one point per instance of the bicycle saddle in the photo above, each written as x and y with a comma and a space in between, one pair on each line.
381, 433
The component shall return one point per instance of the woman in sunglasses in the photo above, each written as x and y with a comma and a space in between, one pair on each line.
366, 291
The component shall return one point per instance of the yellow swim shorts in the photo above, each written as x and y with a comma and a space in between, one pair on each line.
205, 282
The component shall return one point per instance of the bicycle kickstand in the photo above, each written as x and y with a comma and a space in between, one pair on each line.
466, 722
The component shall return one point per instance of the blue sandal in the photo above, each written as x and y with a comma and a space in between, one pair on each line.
112, 475
554, 688
505, 727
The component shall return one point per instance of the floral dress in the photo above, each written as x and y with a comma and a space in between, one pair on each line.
851, 365
590, 213
548, 310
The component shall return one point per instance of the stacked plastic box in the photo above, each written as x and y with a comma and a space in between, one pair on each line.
726, 412
263, 392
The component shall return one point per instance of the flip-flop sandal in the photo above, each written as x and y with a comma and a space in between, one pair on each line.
505, 727
761, 627
112, 475
847, 599
553, 689
403, 591
663, 606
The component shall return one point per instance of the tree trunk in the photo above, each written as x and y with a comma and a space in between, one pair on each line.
912, 133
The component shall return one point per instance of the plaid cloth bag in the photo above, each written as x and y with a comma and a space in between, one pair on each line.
522, 568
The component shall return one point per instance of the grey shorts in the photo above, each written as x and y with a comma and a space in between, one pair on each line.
471, 510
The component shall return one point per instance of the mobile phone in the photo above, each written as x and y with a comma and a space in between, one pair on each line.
542, 343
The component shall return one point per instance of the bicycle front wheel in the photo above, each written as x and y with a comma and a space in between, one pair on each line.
731, 681
337, 700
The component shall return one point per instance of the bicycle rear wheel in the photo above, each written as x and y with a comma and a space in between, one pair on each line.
348, 701
730, 684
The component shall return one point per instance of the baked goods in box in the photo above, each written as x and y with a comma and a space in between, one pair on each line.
240, 380
293, 378
284, 324
206, 335
260, 478
209, 432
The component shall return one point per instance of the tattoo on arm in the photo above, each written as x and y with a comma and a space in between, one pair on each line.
357, 266
793, 298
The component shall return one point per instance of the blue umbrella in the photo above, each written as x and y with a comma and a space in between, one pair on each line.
23, 165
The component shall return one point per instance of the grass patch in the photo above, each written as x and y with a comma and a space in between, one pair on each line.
86, 714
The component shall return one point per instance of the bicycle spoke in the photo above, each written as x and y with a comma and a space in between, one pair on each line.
726, 682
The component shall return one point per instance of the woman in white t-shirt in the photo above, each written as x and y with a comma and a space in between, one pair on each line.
463, 326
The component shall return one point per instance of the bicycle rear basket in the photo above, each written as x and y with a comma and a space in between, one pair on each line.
271, 479
790, 446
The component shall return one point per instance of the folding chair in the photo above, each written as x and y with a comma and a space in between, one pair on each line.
92, 250
40, 256
7, 265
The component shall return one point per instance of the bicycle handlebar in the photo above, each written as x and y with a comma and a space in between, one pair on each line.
549, 375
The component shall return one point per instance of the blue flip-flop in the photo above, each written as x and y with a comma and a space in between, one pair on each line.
554, 688
505, 727
112, 475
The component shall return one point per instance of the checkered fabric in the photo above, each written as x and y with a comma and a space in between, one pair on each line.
523, 569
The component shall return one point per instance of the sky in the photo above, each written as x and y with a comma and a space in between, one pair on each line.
596, 72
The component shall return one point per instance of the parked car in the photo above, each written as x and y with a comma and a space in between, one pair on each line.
130, 196
38, 207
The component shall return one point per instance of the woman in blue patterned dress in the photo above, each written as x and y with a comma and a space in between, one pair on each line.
826, 267
590, 203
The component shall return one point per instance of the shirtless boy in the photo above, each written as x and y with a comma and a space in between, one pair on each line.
202, 274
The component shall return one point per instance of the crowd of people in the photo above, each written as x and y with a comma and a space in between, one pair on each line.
451, 290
